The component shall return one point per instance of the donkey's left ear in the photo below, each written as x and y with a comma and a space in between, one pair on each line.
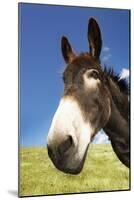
94, 38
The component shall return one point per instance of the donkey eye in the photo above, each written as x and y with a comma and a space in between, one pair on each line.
95, 74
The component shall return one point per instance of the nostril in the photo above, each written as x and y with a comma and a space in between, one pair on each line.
64, 146
70, 139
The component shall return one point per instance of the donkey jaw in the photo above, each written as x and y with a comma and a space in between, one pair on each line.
64, 166
69, 137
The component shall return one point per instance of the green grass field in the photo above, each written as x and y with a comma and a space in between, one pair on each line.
102, 172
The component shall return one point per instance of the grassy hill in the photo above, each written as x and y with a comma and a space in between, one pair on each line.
102, 172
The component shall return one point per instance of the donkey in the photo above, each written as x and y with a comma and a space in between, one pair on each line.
93, 98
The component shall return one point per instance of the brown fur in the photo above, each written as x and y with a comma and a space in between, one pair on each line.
112, 87
102, 98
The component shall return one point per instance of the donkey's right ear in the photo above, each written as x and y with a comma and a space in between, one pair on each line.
94, 38
67, 51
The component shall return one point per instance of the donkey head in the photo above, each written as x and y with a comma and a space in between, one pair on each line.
84, 107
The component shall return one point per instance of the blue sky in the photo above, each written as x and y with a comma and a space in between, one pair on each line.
41, 62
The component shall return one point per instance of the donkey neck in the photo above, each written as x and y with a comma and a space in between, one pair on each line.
117, 127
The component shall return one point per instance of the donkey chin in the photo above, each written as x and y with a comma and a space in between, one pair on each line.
69, 137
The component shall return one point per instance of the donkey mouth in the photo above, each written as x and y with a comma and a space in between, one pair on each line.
63, 164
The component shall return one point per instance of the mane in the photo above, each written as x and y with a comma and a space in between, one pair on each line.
121, 99
120, 82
